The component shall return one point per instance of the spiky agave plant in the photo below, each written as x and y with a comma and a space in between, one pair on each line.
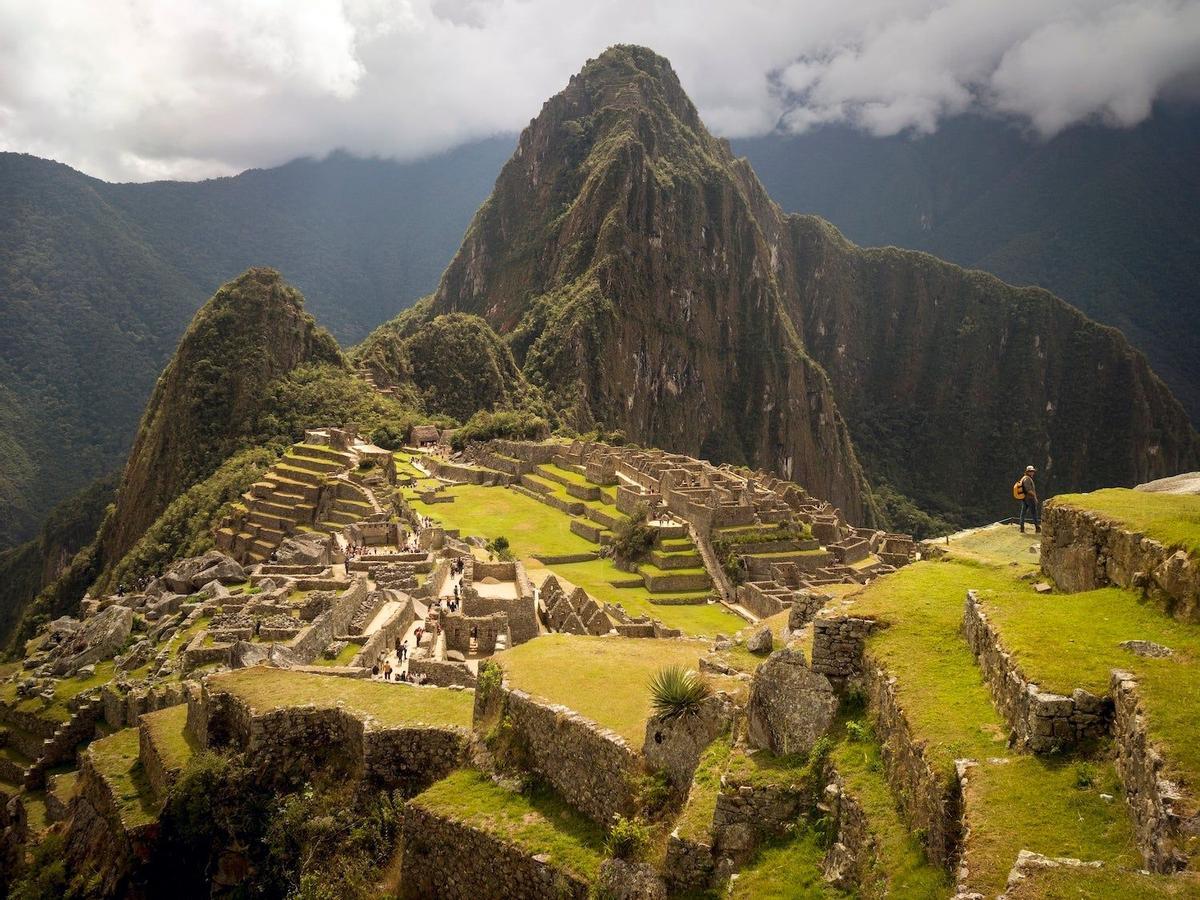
676, 692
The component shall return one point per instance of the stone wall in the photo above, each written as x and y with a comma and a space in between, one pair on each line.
1166, 822
520, 612
327, 626
442, 673
451, 860
488, 631
385, 636
746, 815
839, 647
930, 798
849, 863
286, 746
1041, 722
590, 766
1082, 550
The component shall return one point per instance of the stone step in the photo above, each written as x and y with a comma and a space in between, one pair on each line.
342, 518
298, 474
269, 520
329, 454
312, 464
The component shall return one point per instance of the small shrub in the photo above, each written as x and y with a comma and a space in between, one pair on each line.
1085, 776
859, 731
633, 538
652, 792
500, 548
629, 839
366, 465
676, 692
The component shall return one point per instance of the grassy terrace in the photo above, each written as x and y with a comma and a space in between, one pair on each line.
695, 820
900, 859
64, 690
605, 679
1103, 884
169, 736
344, 658
531, 527
1073, 640
538, 823
116, 760
1023, 802
1171, 519
391, 704
704, 619
534, 529
787, 868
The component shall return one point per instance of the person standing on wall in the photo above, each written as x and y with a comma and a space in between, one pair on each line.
1026, 491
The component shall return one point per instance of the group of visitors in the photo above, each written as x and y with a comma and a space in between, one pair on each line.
354, 551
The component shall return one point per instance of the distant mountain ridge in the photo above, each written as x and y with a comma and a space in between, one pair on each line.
98, 282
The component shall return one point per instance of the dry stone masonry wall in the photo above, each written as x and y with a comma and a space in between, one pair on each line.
1082, 550
1041, 722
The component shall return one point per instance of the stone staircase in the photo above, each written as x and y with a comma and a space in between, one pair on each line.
306, 490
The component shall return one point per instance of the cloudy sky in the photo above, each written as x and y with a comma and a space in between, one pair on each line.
144, 89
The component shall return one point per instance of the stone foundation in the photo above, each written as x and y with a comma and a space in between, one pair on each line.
450, 860
1082, 551
839, 647
1041, 722
1166, 821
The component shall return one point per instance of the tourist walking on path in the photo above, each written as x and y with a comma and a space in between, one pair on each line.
1029, 500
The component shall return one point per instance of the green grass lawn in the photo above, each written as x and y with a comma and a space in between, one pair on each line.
166, 726
1171, 519
538, 822
1105, 883
64, 690
996, 544
605, 679
790, 867
532, 528
900, 859
116, 759
1023, 802
594, 576
344, 658
267, 689
569, 474
695, 820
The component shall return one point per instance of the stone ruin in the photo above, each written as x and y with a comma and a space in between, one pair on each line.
574, 613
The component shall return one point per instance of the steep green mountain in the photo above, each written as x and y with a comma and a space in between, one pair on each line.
646, 281
1107, 218
250, 375
456, 363
98, 282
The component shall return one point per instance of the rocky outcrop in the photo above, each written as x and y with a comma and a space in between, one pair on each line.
98, 638
198, 572
1083, 550
673, 746
790, 704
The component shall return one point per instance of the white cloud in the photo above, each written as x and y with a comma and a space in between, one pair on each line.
145, 89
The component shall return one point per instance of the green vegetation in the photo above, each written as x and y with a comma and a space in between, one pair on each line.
696, 818
266, 689
1171, 519
116, 760
676, 692
900, 859
1016, 801
628, 839
514, 425
633, 538
787, 867
344, 658
538, 822
606, 679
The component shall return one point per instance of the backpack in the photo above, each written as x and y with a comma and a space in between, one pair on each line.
1019, 489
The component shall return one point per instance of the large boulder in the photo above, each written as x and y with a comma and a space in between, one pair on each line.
98, 638
790, 704
245, 654
305, 549
188, 575
673, 746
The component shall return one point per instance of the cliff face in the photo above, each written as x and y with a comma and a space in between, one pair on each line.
623, 258
953, 381
645, 281
252, 331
